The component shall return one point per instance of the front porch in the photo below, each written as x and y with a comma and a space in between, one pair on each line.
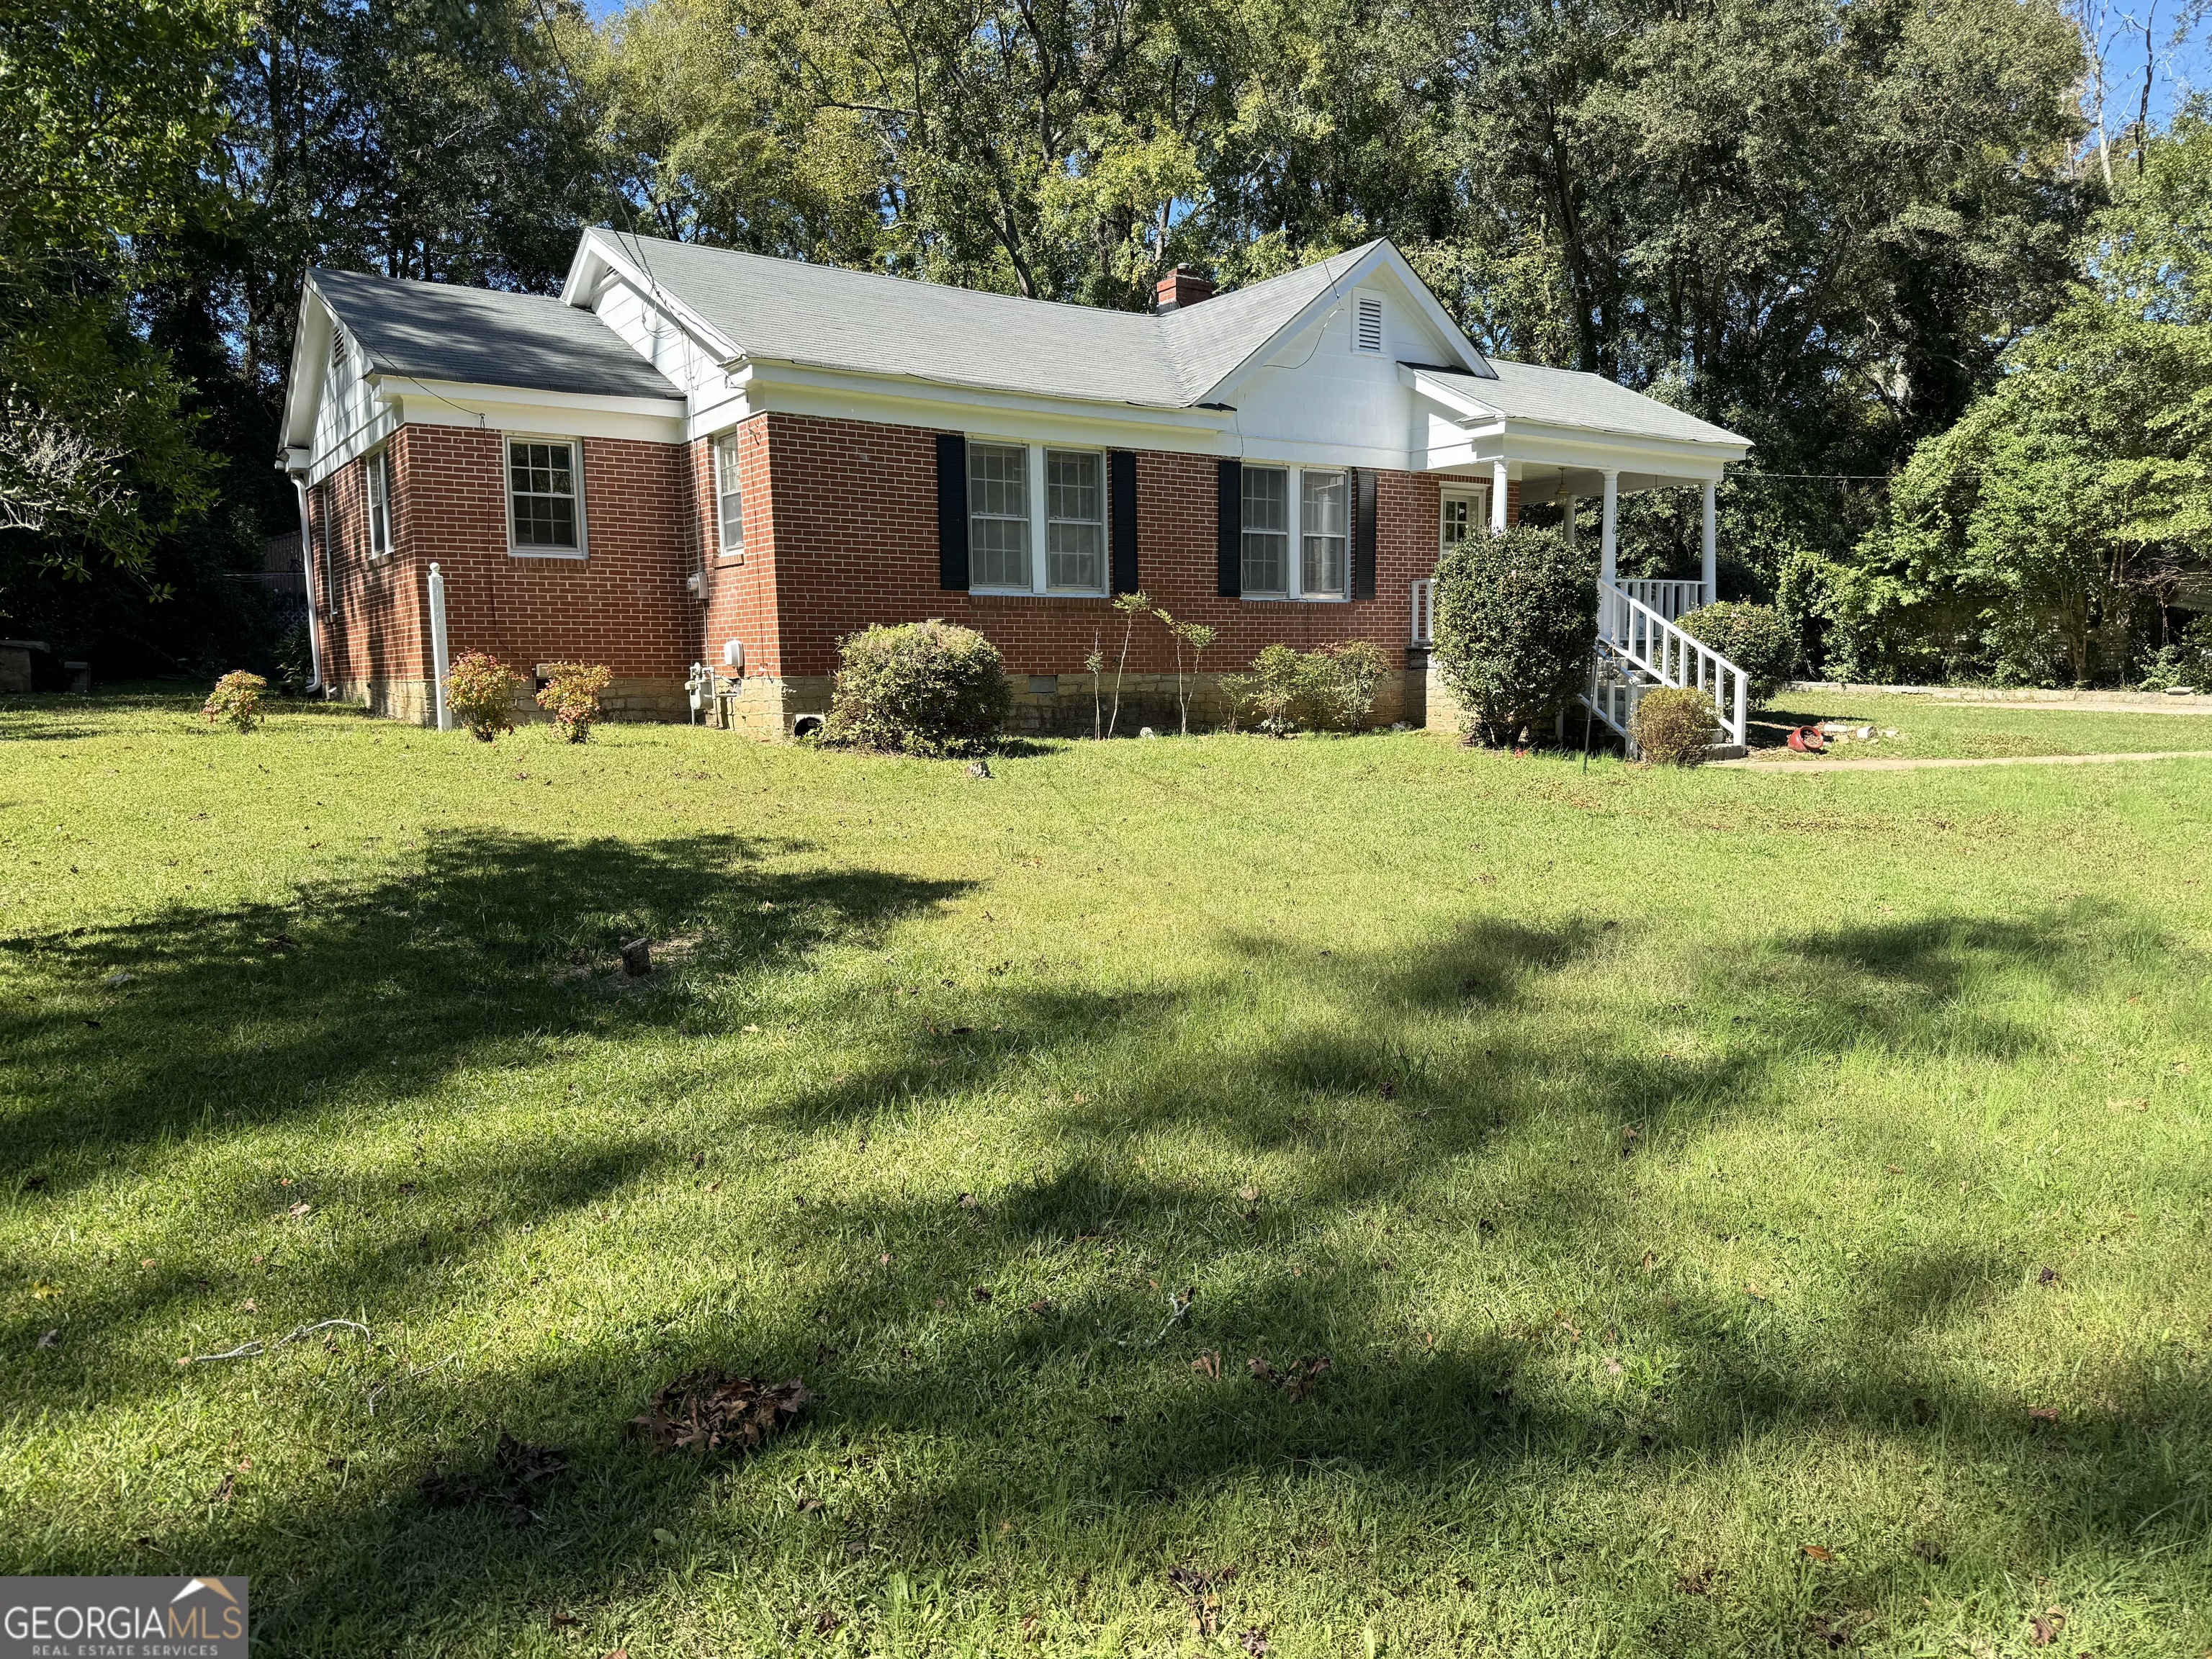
1565, 440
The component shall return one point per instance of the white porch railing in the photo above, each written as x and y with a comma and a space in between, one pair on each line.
1424, 611
1671, 600
1638, 648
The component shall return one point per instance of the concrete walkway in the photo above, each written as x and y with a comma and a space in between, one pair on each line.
1796, 765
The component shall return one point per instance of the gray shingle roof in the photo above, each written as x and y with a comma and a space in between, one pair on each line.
823, 317
442, 331
1565, 397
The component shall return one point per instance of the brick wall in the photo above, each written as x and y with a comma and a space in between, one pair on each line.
855, 539
841, 531
625, 604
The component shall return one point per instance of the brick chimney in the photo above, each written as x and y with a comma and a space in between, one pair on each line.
1181, 287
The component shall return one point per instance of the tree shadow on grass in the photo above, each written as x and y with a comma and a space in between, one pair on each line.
1072, 1388
366, 991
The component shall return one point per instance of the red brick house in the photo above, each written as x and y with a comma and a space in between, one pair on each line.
694, 456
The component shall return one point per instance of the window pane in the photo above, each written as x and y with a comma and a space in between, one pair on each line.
1266, 569
1322, 504
543, 486
1075, 527
1322, 515
1072, 479
730, 499
1075, 555
380, 502
998, 516
1321, 572
1459, 515
1267, 498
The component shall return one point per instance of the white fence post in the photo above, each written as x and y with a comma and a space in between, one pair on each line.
438, 664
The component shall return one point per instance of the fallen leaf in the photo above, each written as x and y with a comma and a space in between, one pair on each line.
2043, 1415
826, 1621
1895, 1169
1613, 1366
49, 1339
709, 1411
981, 1295
810, 1506
299, 1210
222, 1491
2047, 1275
1032, 1628
1041, 1305
406, 1189
1927, 1549
967, 1201
1698, 1581
1651, 1261
1818, 1552
1249, 1192
1253, 1642
564, 1620
1754, 1292
1208, 1365
2042, 1629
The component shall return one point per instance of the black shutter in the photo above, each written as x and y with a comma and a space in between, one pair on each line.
1228, 540
1363, 533
951, 510
1122, 517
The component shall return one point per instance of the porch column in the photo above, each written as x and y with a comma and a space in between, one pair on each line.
1497, 486
1609, 530
1567, 523
1712, 548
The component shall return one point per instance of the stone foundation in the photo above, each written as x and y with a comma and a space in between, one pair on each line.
415, 701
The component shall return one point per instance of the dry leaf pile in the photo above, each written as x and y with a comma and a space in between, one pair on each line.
1297, 1380
518, 1475
710, 1411
1203, 1591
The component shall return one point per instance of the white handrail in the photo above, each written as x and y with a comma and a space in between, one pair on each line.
1640, 636
1424, 611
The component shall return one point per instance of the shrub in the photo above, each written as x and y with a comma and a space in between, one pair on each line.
295, 660
1269, 690
480, 691
1330, 690
1673, 725
925, 688
1516, 623
571, 692
236, 699
1756, 638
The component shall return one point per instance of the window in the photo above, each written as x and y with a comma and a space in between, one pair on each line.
379, 503
729, 498
543, 497
1459, 522
1075, 520
1323, 534
1267, 530
999, 515
1367, 322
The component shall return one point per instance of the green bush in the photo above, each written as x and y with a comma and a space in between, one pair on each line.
1330, 690
296, 659
925, 688
236, 699
1756, 638
1673, 725
1516, 623
480, 691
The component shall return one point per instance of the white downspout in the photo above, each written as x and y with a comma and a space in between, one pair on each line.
307, 566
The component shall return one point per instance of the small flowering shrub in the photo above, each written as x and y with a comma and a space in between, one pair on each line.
236, 700
571, 695
1331, 690
480, 691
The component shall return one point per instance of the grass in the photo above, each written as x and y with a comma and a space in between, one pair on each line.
1928, 729
1667, 1164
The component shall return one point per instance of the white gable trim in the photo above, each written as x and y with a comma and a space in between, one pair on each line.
1381, 256
598, 253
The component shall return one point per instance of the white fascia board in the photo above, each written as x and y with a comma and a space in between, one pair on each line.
386, 384
1585, 450
598, 252
904, 400
303, 390
1383, 255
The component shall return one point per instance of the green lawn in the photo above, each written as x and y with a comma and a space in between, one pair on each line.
1667, 1164
1928, 729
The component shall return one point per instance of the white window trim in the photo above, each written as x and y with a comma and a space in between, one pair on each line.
583, 548
1295, 557
1476, 495
378, 486
1361, 297
723, 551
1033, 461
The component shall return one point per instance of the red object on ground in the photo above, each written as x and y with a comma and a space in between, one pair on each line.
1806, 740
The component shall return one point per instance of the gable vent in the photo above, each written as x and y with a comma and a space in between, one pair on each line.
338, 347
1367, 322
